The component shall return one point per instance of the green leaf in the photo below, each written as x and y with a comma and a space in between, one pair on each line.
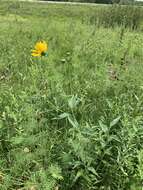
73, 102
17, 140
63, 115
1, 124
55, 172
46, 54
91, 169
115, 121
74, 123
103, 127
78, 175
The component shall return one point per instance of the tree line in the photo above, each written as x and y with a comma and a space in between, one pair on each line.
100, 1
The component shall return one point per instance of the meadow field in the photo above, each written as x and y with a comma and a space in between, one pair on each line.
71, 120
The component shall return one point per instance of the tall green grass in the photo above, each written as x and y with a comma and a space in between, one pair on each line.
72, 120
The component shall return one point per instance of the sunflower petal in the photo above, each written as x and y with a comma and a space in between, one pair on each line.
34, 51
36, 54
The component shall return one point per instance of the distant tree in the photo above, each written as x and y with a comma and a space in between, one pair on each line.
127, 1
99, 1
103, 1
115, 1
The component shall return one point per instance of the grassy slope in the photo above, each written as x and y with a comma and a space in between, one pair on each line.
42, 100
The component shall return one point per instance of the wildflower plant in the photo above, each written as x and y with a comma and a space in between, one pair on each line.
41, 49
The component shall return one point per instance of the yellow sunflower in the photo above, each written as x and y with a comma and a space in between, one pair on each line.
40, 49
